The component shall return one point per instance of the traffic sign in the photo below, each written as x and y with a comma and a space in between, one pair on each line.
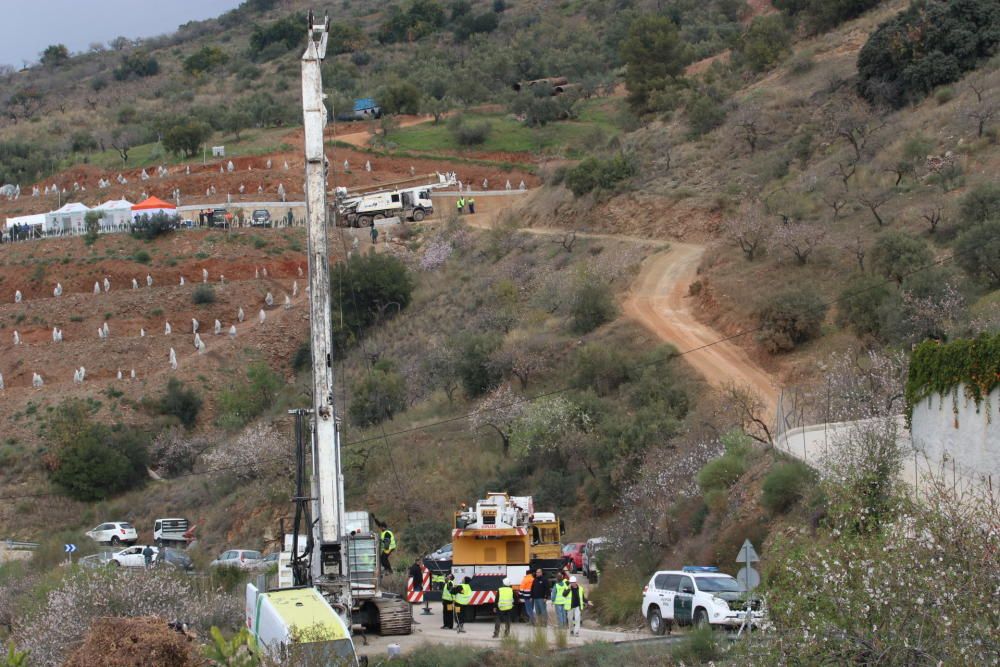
748, 578
747, 554
69, 548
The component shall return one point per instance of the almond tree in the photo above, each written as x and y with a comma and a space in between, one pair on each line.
750, 229
498, 411
800, 239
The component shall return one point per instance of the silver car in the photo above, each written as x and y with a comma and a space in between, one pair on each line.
244, 559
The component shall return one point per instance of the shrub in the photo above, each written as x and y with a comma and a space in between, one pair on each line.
821, 15
205, 59
378, 396
186, 137
600, 368
704, 114
618, 601
592, 305
474, 366
896, 254
765, 43
596, 174
977, 251
721, 473
92, 223
932, 42
364, 291
180, 402
655, 56
789, 318
982, 203
150, 227
136, 65
944, 95
274, 39
699, 647
246, 401
860, 304
469, 134
786, 484
203, 294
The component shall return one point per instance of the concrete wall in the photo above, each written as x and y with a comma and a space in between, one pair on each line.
958, 437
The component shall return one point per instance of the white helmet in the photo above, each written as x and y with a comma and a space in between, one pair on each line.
572, 580
506, 581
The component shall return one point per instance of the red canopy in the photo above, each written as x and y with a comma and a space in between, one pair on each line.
153, 203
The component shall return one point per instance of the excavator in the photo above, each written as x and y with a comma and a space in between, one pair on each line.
333, 554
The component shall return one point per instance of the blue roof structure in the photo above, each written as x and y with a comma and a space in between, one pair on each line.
364, 104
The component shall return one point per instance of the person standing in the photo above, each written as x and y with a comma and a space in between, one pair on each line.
504, 609
374, 234
459, 205
539, 595
559, 590
577, 601
147, 556
416, 575
463, 596
472, 205
447, 607
525, 596
388, 544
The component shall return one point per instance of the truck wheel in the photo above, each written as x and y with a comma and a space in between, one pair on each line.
655, 620
701, 619
418, 215
365, 221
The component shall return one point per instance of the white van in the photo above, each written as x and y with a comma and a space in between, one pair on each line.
696, 596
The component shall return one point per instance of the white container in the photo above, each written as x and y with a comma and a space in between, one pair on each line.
357, 522
394, 651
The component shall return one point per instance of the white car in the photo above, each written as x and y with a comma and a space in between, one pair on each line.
589, 562
132, 557
244, 559
696, 596
114, 532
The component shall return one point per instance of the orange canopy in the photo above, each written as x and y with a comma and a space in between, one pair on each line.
152, 203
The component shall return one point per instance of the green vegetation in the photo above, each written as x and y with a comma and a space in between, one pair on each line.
596, 174
821, 15
54, 55
186, 138
205, 59
364, 291
92, 225
180, 402
937, 368
790, 318
248, 400
932, 42
150, 227
977, 251
765, 43
203, 294
654, 56
786, 484
593, 304
136, 65
469, 134
275, 39
378, 396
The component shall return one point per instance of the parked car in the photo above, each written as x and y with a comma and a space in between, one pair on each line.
132, 556
573, 555
444, 553
260, 218
100, 559
697, 596
114, 532
245, 559
176, 558
589, 564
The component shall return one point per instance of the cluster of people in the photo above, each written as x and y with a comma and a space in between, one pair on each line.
462, 202
18, 232
528, 601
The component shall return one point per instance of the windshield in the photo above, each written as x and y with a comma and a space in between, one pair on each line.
718, 584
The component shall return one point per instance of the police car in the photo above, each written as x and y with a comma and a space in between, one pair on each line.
696, 596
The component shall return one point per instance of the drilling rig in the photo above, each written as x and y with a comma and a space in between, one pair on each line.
340, 556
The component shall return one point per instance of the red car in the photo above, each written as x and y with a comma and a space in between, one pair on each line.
573, 555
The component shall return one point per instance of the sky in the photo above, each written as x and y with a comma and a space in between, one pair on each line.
28, 26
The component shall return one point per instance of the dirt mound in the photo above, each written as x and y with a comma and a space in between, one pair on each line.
133, 642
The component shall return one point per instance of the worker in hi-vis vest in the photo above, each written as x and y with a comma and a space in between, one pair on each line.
447, 611
388, 545
504, 609
463, 596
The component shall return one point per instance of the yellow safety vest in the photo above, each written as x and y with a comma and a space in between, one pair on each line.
568, 597
505, 598
392, 541
561, 589
446, 593
464, 596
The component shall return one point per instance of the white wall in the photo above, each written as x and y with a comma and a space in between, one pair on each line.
956, 435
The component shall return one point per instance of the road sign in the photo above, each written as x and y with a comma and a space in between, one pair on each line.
69, 548
748, 578
747, 554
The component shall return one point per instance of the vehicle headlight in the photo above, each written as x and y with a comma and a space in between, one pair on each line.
719, 602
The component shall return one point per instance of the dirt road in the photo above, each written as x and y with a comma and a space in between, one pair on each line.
362, 137
658, 300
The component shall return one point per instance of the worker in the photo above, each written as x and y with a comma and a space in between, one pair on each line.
504, 609
447, 611
416, 575
463, 596
472, 205
539, 596
524, 594
388, 544
576, 600
559, 590
460, 205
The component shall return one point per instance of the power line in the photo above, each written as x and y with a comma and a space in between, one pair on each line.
820, 308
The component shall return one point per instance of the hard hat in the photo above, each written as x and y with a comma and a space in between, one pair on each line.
572, 580
506, 581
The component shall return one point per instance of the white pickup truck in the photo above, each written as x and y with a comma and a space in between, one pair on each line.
696, 596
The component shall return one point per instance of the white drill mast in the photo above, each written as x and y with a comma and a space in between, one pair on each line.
329, 568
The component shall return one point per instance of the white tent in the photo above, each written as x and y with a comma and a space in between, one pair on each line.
37, 220
66, 220
117, 213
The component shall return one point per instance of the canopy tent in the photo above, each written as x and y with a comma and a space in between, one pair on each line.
66, 220
37, 220
152, 206
117, 212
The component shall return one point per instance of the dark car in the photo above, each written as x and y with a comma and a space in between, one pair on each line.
177, 558
260, 218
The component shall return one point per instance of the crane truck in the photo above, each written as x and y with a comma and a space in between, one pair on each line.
339, 562
407, 199
501, 537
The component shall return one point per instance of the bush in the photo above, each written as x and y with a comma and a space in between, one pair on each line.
203, 294
205, 59
704, 114
786, 484
475, 368
92, 223
977, 251
246, 401
790, 318
596, 174
421, 18
275, 39
600, 368
150, 227
821, 15
944, 95
897, 254
931, 43
180, 402
469, 134
136, 65
982, 203
655, 56
592, 305
699, 647
364, 291
721, 473
860, 304
378, 396
764, 44
186, 138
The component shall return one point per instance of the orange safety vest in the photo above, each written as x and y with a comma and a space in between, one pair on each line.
526, 583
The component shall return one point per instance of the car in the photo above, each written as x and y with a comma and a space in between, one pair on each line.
176, 558
100, 559
444, 553
244, 559
700, 596
114, 532
573, 555
260, 218
132, 556
589, 564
